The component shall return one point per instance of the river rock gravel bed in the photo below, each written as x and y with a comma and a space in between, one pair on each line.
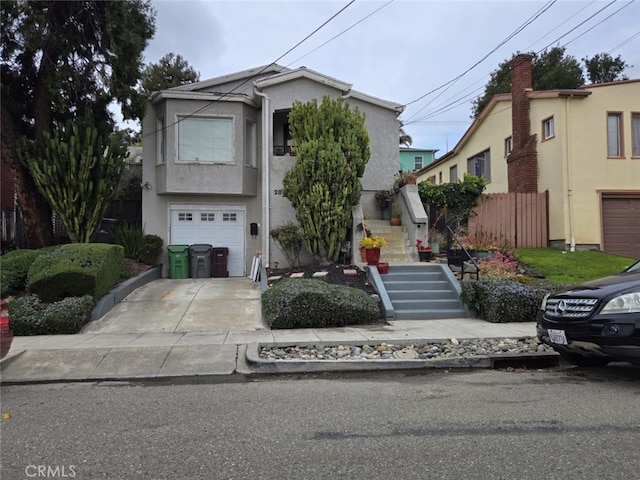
406, 351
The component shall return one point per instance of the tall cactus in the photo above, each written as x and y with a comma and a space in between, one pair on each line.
77, 171
332, 146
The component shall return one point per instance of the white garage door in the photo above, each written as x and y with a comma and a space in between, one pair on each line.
218, 226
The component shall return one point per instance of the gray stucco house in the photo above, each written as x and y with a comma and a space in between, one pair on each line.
216, 151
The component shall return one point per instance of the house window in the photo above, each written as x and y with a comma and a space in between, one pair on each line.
480, 165
432, 179
205, 139
548, 129
614, 134
508, 146
160, 147
439, 177
185, 217
208, 217
250, 144
453, 174
229, 217
417, 162
635, 135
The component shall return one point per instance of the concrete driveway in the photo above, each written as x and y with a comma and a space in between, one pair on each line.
189, 305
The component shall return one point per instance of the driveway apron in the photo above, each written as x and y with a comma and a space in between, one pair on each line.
185, 305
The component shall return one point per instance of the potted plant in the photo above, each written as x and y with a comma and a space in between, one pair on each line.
396, 216
436, 240
424, 251
372, 246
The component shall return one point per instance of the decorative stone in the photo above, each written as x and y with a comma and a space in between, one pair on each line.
297, 275
320, 274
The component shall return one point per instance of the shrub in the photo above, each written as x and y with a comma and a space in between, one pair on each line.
313, 303
14, 270
150, 250
503, 301
29, 316
131, 237
288, 238
75, 270
498, 266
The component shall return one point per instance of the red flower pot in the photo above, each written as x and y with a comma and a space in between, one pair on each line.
373, 256
383, 267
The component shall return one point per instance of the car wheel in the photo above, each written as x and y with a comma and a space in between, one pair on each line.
585, 360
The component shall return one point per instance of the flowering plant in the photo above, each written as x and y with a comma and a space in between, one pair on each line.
373, 242
421, 247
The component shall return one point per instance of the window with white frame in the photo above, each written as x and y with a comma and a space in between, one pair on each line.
480, 165
160, 135
204, 139
635, 135
614, 134
417, 162
250, 144
508, 146
453, 174
548, 128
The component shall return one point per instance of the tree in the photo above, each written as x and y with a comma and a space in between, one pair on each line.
62, 60
170, 71
603, 68
405, 139
323, 186
551, 70
78, 172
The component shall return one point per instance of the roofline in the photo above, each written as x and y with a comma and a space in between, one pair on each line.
411, 149
251, 72
302, 72
208, 96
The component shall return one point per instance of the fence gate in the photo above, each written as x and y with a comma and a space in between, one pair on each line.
518, 220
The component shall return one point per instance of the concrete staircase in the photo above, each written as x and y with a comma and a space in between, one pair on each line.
422, 291
398, 250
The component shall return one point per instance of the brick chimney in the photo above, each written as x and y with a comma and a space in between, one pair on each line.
522, 164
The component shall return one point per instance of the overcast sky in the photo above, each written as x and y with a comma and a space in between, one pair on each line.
398, 50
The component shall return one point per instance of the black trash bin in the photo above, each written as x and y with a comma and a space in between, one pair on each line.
220, 255
106, 230
200, 260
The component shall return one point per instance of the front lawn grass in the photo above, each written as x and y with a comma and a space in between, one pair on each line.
562, 267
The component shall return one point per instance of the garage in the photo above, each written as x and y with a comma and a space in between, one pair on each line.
621, 224
216, 225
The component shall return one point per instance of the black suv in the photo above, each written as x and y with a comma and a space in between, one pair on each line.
596, 322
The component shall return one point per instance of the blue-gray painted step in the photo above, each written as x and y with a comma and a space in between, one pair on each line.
419, 291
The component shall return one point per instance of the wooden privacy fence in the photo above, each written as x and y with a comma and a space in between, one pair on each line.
518, 220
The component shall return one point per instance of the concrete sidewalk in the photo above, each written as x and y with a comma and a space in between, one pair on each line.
211, 329
211, 355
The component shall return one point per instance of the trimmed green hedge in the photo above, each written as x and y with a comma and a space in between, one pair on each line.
504, 301
29, 316
75, 270
313, 303
14, 270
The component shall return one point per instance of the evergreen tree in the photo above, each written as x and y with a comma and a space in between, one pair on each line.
603, 68
62, 60
332, 145
552, 69
170, 71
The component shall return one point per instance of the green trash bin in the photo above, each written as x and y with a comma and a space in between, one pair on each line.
178, 261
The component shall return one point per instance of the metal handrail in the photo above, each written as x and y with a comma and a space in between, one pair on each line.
469, 257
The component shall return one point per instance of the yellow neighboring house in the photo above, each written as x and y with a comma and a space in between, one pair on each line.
581, 145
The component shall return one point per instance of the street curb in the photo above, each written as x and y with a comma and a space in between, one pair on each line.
495, 361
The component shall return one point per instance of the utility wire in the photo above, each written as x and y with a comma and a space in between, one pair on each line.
227, 94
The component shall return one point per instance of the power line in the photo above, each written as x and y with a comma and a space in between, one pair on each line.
227, 94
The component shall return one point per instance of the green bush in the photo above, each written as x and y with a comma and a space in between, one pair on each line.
29, 316
150, 250
503, 301
76, 270
313, 303
14, 270
130, 236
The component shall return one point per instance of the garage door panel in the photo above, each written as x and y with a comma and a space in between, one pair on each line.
212, 225
621, 226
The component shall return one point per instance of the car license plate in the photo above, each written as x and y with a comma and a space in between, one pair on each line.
557, 336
